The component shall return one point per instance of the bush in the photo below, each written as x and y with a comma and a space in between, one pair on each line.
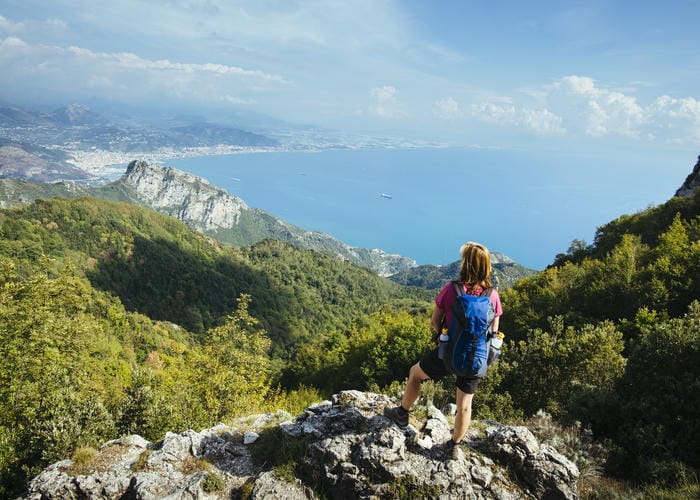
211, 483
296, 401
547, 370
574, 442
659, 402
70, 422
82, 458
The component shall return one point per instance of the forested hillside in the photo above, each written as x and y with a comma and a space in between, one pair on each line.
118, 319
159, 267
609, 336
202, 206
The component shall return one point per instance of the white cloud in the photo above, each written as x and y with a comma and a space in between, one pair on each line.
45, 27
8, 26
132, 61
385, 104
10, 44
603, 112
383, 94
579, 106
674, 118
237, 100
125, 75
504, 113
447, 109
597, 111
542, 121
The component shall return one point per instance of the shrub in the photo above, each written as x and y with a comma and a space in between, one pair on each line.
277, 450
211, 483
141, 463
83, 456
574, 442
659, 403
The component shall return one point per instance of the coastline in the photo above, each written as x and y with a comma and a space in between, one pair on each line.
103, 164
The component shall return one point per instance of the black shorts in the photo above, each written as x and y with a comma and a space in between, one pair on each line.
435, 368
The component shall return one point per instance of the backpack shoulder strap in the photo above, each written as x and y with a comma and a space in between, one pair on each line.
486, 292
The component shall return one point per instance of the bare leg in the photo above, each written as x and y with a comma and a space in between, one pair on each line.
415, 376
464, 415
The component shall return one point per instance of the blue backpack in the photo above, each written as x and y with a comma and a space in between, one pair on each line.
467, 349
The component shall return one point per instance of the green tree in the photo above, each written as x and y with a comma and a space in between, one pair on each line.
233, 372
660, 408
51, 398
145, 410
550, 368
397, 341
669, 269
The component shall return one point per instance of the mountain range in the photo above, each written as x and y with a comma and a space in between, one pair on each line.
75, 132
41, 147
227, 218
77, 127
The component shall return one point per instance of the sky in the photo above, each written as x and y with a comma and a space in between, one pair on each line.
613, 75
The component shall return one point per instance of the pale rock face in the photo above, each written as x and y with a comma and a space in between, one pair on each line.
692, 182
187, 197
205, 207
349, 449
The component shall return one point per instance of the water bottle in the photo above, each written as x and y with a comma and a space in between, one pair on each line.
442, 346
497, 339
495, 349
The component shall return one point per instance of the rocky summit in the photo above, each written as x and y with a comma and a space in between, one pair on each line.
185, 196
229, 219
342, 448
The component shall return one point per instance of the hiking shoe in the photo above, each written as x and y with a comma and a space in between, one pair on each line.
456, 453
450, 451
396, 416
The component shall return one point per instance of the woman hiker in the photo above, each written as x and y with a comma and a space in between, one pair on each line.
474, 278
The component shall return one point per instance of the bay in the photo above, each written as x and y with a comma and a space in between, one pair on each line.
425, 203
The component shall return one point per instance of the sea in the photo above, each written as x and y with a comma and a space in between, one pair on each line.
425, 203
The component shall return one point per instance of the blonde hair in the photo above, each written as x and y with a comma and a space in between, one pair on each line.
476, 265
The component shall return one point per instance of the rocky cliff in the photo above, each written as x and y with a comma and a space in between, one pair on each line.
184, 196
343, 448
214, 211
692, 182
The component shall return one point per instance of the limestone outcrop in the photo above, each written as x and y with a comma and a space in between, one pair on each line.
342, 448
691, 183
185, 196
213, 210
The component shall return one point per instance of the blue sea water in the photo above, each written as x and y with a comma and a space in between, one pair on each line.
525, 205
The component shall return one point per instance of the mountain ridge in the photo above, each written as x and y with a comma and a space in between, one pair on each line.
505, 273
229, 219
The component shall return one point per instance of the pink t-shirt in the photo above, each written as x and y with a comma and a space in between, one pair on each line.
446, 298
